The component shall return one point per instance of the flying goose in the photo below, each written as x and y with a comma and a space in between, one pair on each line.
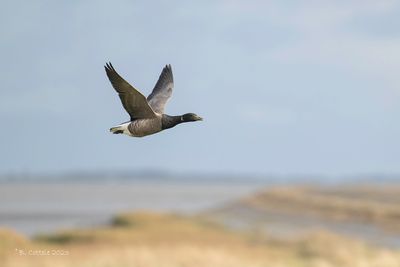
147, 115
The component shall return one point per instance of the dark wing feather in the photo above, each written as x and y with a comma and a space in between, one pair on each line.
132, 100
162, 90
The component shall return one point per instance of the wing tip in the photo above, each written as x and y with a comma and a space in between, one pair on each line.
109, 66
168, 71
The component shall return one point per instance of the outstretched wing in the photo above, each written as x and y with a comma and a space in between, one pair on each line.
162, 90
132, 100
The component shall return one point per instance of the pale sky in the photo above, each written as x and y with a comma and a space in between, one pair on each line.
285, 87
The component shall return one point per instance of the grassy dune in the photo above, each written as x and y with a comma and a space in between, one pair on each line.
379, 205
165, 240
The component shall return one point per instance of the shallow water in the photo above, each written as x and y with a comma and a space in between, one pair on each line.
44, 207
33, 208
288, 225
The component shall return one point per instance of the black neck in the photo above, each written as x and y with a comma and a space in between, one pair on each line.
170, 121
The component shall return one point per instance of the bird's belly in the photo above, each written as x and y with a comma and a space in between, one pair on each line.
140, 128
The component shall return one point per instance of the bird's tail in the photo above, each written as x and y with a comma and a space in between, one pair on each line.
116, 130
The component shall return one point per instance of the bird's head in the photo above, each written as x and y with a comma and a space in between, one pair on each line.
191, 117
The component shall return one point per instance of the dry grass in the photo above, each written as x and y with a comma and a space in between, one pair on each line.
163, 240
378, 205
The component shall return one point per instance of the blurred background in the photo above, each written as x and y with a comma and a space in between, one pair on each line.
295, 164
